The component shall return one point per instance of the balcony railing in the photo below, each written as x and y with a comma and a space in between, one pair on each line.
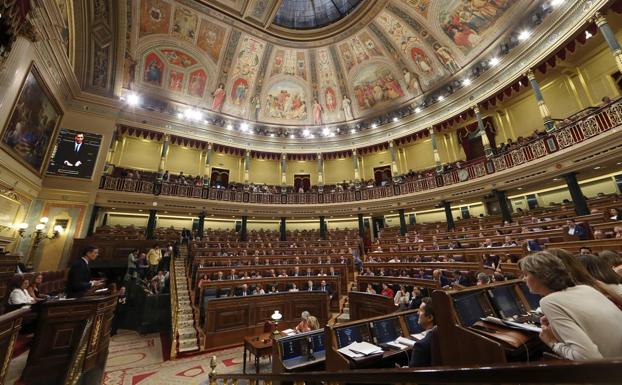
583, 128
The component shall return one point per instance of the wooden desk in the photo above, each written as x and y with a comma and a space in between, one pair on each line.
228, 320
363, 305
259, 346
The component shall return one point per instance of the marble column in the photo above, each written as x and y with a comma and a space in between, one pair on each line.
506, 214
151, 224
361, 226
322, 228
610, 37
578, 199
283, 230
402, 222
243, 230
544, 110
449, 215
481, 131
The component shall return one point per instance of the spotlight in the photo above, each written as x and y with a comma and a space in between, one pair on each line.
418, 110
272, 135
374, 125
326, 131
556, 3
353, 131
193, 114
588, 35
524, 35
292, 136
494, 61
440, 98
229, 126
306, 132
467, 82
395, 119
244, 126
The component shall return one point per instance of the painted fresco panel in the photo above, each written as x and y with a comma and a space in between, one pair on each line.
155, 17
211, 39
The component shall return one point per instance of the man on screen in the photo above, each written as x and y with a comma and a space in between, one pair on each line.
73, 154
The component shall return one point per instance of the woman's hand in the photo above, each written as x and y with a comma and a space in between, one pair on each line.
547, 336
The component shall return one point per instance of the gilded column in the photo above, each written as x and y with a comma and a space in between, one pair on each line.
437, 156
110, 156
283, 169
610, 37
247, 166
208, 161
481, 131
394, 168
355, 159
544, 110
320, 169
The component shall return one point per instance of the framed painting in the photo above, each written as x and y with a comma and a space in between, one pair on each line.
29, 132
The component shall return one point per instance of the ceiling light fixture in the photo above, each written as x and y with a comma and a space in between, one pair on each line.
133, 99
395, 118
440, 98
494, 61
597, 168
244, 126
524, 35
374, 125
326, 131
292, 136
588, 35
353, 131
229, 127
418, 110
466, 82
306, 132
556, 3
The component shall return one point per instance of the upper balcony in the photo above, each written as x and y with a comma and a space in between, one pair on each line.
588, 136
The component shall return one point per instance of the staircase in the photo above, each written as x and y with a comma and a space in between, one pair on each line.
185, 322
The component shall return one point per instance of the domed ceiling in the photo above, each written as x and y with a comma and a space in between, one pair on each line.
221, 56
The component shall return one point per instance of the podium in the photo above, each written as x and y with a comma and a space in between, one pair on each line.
71, 341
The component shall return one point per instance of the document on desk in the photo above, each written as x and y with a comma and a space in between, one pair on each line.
364, 348
405, 341
397, 345
289, 332
349, 353
418, 336
512, 324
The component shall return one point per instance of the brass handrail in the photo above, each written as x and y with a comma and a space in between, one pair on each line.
173, 286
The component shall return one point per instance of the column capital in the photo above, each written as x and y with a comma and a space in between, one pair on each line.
284, 156
530, 75
391, 143
248, 152
166, 138
431, 130
354, 153
599, 19
210, 145
319, 155
476, 109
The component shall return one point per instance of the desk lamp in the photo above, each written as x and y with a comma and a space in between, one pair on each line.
276, 317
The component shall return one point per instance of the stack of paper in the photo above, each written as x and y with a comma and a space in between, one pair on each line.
397, 345
360, 349
418, 336
289, 332
405, 341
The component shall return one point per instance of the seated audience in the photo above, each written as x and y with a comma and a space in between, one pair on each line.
614, 259
370, 289
579, 322
19, 295
33, 289
600, 269
615, 214
386, 291
401, 298
576, 229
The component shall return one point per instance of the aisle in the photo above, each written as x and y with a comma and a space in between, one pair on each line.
138, 360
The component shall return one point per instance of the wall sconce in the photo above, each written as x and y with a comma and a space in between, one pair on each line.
39, 234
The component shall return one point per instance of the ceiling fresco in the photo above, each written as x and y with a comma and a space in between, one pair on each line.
178, 53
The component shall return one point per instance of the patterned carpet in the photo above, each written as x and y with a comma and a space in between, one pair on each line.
138, 360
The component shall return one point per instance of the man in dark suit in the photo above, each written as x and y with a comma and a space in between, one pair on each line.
326, 288
79, 278
576, 229
73, 154
422, 351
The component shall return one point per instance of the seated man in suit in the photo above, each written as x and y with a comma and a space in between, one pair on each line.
79, 279
310, 285
243, 291
422, 351
326, 288
576, 229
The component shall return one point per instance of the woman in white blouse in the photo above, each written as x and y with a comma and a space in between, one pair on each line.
402, 297
20, 296
579, 322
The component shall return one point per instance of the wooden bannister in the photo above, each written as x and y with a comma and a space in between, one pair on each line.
555, 372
